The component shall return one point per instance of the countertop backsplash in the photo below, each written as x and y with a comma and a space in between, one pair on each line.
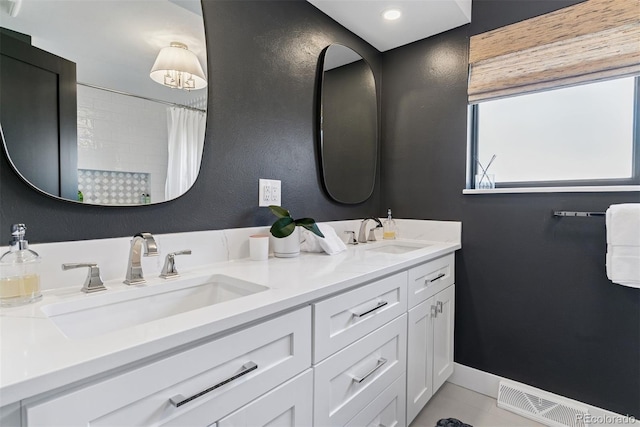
208, 247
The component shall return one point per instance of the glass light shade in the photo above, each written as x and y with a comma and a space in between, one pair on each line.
177, 67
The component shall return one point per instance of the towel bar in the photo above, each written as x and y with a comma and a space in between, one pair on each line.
571, 213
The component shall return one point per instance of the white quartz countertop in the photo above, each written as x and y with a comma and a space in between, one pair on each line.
35, 356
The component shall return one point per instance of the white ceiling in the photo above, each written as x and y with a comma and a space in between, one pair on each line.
115, 42
420, 18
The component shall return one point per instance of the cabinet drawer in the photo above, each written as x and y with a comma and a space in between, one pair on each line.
387, 410
430, 278
213, 380
348, 381
343, 319
289, 405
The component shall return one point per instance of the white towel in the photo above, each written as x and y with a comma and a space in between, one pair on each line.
623, 265
331, 243
623, 224
623, 244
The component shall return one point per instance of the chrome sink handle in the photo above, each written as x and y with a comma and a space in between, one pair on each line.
93, 282
169, 270
351, 240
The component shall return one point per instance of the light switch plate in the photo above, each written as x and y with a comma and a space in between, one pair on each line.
269, 192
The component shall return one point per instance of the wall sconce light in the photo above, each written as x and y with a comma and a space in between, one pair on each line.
178, 68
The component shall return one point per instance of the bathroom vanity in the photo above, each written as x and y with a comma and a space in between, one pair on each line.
364, 337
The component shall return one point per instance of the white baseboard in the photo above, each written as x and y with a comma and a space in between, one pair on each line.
487, 384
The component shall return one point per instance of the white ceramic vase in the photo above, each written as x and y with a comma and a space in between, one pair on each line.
287, 247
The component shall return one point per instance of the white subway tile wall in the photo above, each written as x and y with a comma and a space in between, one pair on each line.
119, 133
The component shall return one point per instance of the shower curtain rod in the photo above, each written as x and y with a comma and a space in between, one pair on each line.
173, 104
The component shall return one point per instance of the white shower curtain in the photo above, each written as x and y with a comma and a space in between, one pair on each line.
186, 139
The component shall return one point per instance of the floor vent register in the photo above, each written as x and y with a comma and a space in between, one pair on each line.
538, 405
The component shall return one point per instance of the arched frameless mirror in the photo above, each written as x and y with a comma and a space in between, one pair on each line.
80, 116
348, 125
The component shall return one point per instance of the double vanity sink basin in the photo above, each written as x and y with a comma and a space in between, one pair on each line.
97, 314
113, 310
396, 247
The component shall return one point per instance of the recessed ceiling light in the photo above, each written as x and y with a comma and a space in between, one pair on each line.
391, 14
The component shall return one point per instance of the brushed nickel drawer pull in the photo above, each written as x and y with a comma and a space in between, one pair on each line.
179, 400
381, 362
440, 276
439, 306
379, 305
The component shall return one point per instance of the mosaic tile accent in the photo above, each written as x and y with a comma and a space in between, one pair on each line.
114, 187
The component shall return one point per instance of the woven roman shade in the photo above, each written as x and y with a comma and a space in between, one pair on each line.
593, 40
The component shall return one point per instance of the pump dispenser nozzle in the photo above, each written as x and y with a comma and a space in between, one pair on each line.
17, 237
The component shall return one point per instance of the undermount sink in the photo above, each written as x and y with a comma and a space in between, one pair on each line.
98, 314
397, 247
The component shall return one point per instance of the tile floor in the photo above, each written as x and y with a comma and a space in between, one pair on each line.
476, 409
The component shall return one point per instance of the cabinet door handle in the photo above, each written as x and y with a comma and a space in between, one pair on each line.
434, 311
439, 306
381, 362
179, 400
439, 276
378, 306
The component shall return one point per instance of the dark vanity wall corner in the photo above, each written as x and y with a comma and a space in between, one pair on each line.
262, 86
533, 302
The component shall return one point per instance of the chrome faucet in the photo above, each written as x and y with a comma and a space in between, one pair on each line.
169, 269
134, 268
362, 235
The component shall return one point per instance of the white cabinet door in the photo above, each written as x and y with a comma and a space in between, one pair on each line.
443, 336
10, 415
430, 348
288, 405
419, 357
193, 388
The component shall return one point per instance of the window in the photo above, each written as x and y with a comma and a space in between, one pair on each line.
554, 100
578, 135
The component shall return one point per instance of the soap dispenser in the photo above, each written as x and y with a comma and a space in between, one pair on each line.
389, 229
19, 271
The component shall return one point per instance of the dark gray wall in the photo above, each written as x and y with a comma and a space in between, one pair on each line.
262, 58
533, 300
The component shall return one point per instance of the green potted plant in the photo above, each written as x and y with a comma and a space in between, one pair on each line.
286, 242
